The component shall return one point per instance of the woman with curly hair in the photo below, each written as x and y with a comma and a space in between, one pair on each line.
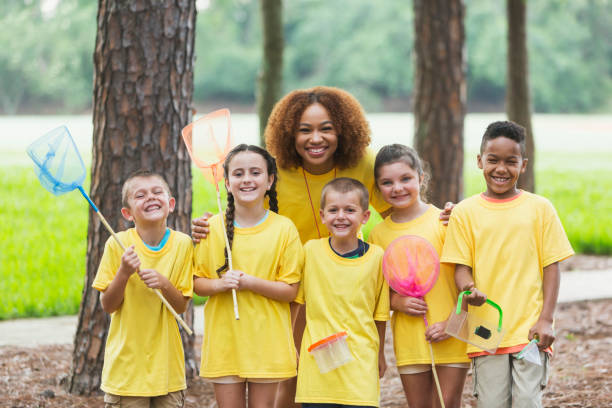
316, 135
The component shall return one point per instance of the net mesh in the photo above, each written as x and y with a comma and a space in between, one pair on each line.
411, 265
208, 142
57, 162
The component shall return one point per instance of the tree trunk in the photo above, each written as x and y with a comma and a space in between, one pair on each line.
143, 86
518, 100
270, 81
440, 93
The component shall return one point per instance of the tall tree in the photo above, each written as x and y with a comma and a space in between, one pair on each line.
518, 100
270, 80
439, 98
143, 85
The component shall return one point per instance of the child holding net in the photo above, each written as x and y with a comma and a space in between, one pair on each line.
401, 181
257, 351
144, 360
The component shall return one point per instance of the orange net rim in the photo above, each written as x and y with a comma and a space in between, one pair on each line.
187, 131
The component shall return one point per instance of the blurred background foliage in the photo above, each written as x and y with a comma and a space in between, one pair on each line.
46, 51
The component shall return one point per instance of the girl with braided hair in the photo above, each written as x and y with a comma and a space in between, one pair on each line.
256, 351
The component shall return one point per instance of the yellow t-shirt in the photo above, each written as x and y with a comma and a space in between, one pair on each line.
260, 344
507, 244
342, 295
299, 194
144, 354
409, 331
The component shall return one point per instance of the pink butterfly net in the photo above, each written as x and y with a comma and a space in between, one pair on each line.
411, 266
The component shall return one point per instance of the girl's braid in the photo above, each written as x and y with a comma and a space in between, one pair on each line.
229, 228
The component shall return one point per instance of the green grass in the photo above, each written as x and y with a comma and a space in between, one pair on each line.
43, 238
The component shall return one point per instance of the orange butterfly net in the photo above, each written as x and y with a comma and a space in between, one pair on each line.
208, 141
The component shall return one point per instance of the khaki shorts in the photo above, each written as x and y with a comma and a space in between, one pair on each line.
423, 368
174, 399
502, 381
234, 379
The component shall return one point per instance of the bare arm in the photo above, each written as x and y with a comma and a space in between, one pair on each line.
209, 287
465, 281
382, 362
276, 290
550, 286
112, 298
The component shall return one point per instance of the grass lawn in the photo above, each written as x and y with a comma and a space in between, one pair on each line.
43, 237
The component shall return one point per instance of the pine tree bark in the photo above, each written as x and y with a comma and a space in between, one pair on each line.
270, 80
440, 94
143, 86
518, 100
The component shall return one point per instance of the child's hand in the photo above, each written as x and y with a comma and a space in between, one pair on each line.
245, 282
446, 212
411, 305
382, 363
200, 227
129, 262
229, 280
153, 279
475, 298
544, 332
436, 332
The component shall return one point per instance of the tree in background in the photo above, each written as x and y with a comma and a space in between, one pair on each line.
143, 85
270, 80
439, 96
518, 100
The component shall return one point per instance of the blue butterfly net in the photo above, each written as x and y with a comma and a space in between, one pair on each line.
57, 161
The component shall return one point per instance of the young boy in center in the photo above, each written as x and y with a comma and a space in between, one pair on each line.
506, 244
343, 289
144, 364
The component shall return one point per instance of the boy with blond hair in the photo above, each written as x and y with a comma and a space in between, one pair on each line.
144, 363
506, 244
344, 290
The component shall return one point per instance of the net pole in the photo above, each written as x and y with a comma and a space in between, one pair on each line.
433, 367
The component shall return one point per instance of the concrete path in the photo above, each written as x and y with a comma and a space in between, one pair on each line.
575, 286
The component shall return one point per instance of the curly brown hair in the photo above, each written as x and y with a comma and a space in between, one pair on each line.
345, 112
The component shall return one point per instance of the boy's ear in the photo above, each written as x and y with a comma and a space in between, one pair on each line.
524, 165
479, 160
171, 204
127, 214
366, 216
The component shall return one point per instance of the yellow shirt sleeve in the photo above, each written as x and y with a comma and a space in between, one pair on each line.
556, 246
381, 311
109, 264
458, 245
292, 258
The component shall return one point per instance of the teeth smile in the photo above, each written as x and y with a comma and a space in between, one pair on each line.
501, 179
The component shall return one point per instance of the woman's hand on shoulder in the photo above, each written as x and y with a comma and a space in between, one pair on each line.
200, 227
446, 212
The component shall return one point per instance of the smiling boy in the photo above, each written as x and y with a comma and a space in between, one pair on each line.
144, 362
506, 244
344, 290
